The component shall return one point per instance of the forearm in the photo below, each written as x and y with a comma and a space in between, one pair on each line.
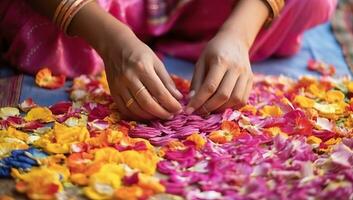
246, 20
95, 25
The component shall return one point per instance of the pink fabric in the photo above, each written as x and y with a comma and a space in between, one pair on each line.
35, 42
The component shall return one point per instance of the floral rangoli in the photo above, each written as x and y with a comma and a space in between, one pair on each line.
293, 140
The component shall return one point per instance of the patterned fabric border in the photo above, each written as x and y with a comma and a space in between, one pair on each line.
10, 90
342, 24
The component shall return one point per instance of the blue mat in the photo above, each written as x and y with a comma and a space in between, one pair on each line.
319, 43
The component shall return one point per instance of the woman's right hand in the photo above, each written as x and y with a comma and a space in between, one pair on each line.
138, 81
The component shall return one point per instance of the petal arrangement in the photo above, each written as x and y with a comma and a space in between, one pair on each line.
293, 140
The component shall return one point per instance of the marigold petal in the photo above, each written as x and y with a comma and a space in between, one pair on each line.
45, 79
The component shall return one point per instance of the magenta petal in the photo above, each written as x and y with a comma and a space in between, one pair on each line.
186, 157
167, 167
174, 188
130, 180
60, 108
99, 112
144, 132
324, 135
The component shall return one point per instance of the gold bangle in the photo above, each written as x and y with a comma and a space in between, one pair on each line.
275, 6
58, 10
68, 12
62, 12
74, 11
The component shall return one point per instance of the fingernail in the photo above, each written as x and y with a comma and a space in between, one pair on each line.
178, 93
189, 110
180, 111
191, 93
171, 117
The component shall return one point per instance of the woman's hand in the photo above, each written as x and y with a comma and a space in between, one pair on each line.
222, 76
138, 80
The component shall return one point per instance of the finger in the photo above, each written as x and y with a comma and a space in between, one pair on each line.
222, 95
167, 81
133, 106
157, 89
249, 85
125, 113
197, 77
208, 88
236, 101
146, 101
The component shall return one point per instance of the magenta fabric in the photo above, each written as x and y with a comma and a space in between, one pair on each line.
183, 31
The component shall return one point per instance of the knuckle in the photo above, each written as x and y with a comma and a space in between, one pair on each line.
251, 78
127, 74
245, 100
219, 59
223, 96
140, 66
210, 88
242, 102
146, 102
234, 99
242, 69
249, 73
160, 94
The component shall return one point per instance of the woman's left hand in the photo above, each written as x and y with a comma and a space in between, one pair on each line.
222, 76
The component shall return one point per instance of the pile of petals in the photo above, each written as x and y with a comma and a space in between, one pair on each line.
293, 140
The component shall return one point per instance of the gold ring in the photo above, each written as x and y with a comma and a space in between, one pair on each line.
139, 90
205, 110
129, 102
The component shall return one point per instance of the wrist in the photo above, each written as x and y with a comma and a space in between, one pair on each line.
243, 24
235, 37
96, 26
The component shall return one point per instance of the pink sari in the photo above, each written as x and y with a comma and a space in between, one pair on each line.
181, 28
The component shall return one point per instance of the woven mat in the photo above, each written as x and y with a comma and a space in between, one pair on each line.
342, 24
10, 90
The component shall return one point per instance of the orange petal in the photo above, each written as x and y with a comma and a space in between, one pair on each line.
45, 79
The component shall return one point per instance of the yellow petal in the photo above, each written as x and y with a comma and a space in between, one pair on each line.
333, 108
317, 90
6, 112
271, 111
333, 141
304, 102
350, 86
314, 140
107, 155
249, 108
14, 133
150, 182
197, 139
67, 135
145, 161
103, 183
274, 131
42, 114
334, 96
